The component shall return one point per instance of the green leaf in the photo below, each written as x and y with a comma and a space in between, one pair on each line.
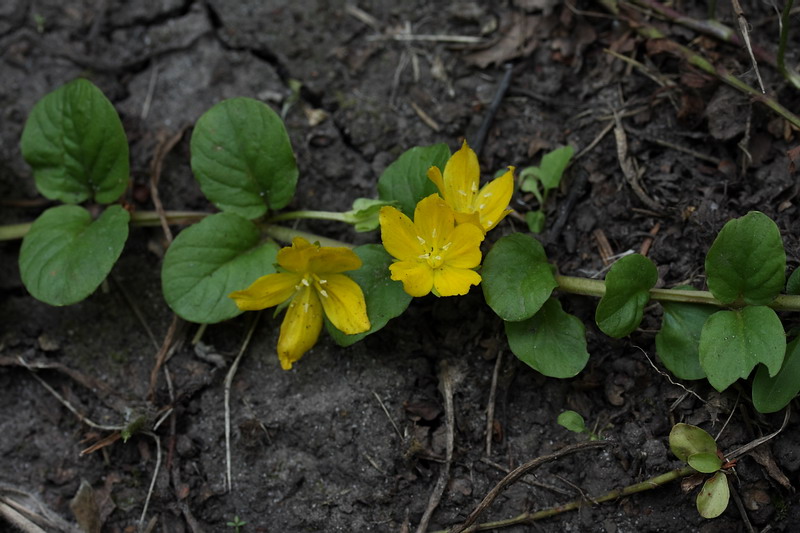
733, 342
705, 462
535, 221
552, 167
365, 213
713, 498
552, 341
517, 279
406, 180
772, 394
208, 261
65, 256
793, 285
628, 285
572, 421
74, 141
686, 440
242, 157
385, 298
678, 340
747, 261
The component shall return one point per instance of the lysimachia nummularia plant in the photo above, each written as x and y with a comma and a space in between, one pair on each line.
433, 214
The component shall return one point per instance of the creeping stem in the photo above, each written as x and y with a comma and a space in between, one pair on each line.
597, 288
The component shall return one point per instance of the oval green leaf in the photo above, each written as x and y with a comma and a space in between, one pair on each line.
713, 498
65, 256
793, 284
572, 421
74, 141
385, 298
406, 180
242, 157
686, 440
678, 340
552, 341
628, 285
747, 261
705, 462
208, 261
516, 277
772, 394
733, 342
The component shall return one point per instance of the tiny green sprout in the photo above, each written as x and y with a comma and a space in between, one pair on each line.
698, 449
236, 523
40, 21
574, 422
543, 179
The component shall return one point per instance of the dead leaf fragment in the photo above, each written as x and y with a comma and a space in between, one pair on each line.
518, 38
84, 507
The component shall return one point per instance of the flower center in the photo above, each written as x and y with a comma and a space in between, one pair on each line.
435, 256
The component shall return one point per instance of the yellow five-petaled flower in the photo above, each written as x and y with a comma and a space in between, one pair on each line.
459, 187
314, 283
431, 252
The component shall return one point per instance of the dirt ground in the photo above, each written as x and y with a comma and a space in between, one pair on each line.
354, 439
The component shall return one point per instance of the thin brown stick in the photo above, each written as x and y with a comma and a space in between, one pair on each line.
156, 165
166, 349
519, 472
447, 382
740, 18
490, 406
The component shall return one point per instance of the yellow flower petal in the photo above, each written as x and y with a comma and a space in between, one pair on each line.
465, 252
399, 235
417, 277
300, 328
434, 220
451, 281
304, 256
461, 176
344, 304
470, 218
493, 199
266, 291
435, 175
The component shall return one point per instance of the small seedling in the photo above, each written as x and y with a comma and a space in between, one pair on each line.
236, 523
574, 422
543, 179
698, 449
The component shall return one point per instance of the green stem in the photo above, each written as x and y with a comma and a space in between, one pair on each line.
597, 288
526, 518
139, 218
318, 215
284, 234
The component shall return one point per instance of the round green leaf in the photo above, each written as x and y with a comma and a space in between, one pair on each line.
516, 277
385, 298
686, 440
747, 261
65, 255
552, 341
572, 421
713, 498
74, 141
242, 157
678, 339
406, 180
793, 284
772, 394
208, 261
705, 462
628, 285
733, 342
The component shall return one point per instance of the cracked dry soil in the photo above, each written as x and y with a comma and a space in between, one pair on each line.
353, 439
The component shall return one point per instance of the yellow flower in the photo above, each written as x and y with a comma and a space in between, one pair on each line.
315, 284
459, 188
431, 253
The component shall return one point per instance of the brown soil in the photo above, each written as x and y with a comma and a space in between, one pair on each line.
313, 449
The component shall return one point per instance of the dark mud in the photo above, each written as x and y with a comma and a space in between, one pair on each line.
313, 449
